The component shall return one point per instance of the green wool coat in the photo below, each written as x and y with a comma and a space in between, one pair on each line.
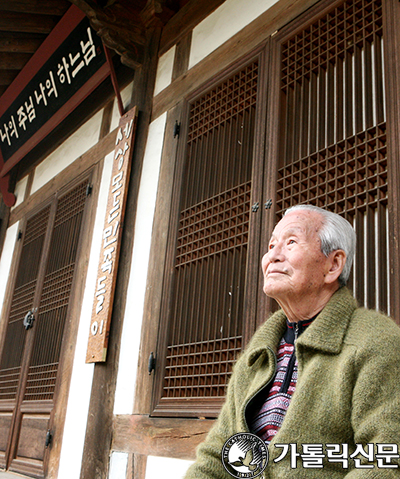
348, 392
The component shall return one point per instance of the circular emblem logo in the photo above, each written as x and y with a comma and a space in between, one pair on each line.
244, 455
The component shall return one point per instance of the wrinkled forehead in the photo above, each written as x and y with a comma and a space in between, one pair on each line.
303, 222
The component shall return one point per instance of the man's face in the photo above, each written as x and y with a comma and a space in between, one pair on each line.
295, 265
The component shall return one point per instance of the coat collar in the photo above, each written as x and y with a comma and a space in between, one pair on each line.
326, 333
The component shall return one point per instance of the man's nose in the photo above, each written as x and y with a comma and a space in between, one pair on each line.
275, 254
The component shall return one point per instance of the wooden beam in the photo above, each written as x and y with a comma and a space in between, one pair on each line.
43, 7
185, 20
115, 18
177, 438
131, 30
182, 53
19, 42
131, 53
4, 216
136, 466
120, 27
7, 76
156, 13
13, 61
245, 41
26, 22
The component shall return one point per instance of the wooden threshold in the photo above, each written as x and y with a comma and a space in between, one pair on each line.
154, 436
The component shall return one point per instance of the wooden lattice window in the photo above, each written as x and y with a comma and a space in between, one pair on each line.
332, 144
30, 357
204, 330
22, 302
42, 374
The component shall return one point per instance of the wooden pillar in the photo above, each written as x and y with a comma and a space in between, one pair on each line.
4, 215
95, 461
136, 466
392, 65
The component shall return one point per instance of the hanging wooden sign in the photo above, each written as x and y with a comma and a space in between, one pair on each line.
65, 69
111, 240
68, 69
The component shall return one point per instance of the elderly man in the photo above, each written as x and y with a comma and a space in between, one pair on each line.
320, 381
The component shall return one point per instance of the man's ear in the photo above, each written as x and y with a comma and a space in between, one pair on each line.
336, 264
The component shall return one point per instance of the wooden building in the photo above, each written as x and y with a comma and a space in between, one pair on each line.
147, 148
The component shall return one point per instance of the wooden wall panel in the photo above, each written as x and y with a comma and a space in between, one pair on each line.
5, 425
34, 428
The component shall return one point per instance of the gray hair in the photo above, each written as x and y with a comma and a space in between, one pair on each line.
336, 233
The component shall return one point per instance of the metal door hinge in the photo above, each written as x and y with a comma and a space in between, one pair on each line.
89, 189
49, 438
255, 207
177, 129
152, 363
19, 237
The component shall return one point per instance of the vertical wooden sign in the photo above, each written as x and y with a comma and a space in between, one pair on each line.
111, 240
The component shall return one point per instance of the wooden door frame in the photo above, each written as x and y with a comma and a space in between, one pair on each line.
391, 9
67, 353
249, 322
59, 403
5, 316
30, 338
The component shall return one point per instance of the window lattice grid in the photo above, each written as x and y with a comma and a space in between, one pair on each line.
214, 226
208, 298
53, 307
71, 204
9, 380
332, 142
15, 341
56, 288
229, 99
347, 176
22, 301
41, 382
37, 225
329, 97
42, 374
32, 249
200, 369
353, 23
211, 255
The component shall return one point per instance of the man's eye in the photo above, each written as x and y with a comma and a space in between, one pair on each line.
271, 246
292, 241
